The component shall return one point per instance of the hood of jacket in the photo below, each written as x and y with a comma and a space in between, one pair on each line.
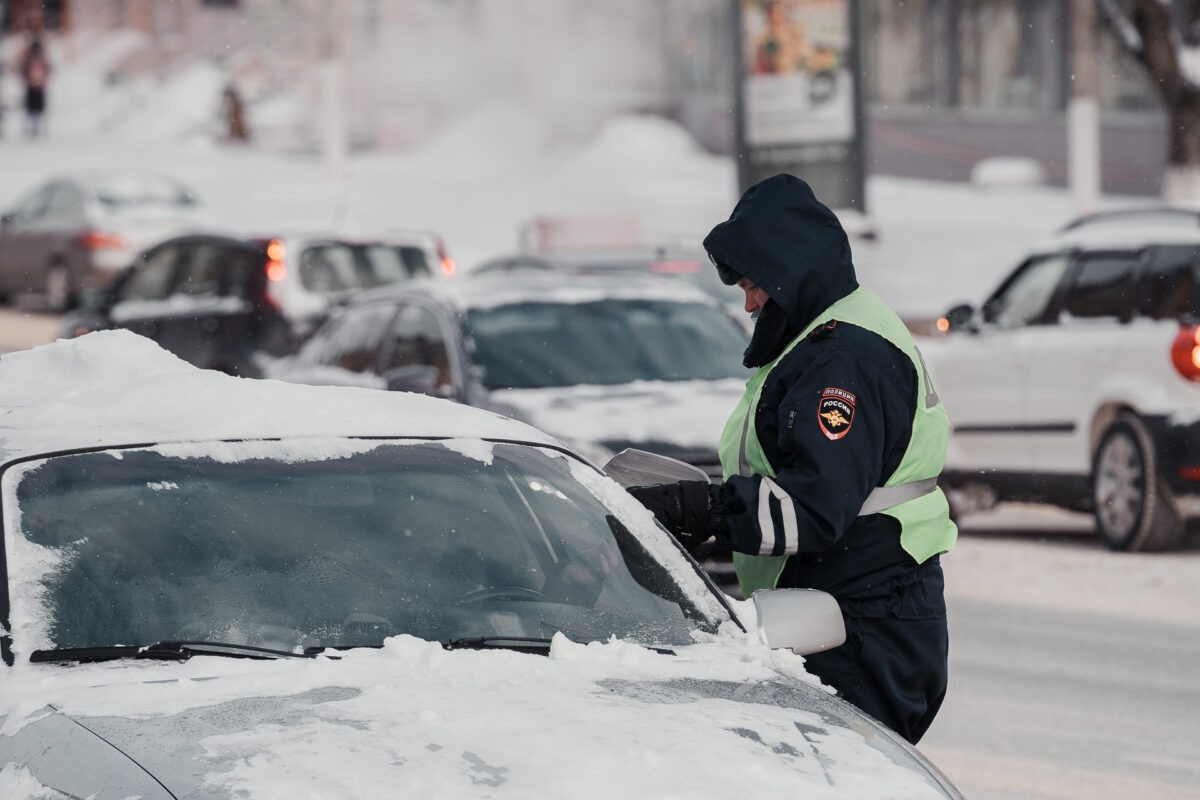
793, 248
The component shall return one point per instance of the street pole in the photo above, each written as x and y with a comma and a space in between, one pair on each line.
334, 136
1083, 110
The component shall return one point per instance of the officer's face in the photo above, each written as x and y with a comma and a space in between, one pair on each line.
756, 298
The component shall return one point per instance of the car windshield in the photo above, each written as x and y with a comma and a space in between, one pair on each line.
611, 341
268, 550
338, 268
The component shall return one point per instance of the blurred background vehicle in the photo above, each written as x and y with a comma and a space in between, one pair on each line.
603, 362
77, 231
1076, 381
688, 264
232, 303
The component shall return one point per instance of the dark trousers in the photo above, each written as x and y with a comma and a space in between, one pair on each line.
893, 669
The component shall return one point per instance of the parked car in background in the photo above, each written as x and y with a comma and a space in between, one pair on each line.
603, 362
82, 230
690, 265
1077, 381
230, 303
221, 588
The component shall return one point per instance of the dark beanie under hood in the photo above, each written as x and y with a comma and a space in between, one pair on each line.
792, 247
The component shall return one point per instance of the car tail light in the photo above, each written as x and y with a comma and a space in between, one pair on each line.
445, 261
1185, 352
276, 268
102, 240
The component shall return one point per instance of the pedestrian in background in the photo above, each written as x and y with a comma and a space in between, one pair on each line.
34, 69
831, 458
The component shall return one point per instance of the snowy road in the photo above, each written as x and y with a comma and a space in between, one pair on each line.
1072, 668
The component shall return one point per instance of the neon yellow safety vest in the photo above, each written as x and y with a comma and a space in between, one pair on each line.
910, 495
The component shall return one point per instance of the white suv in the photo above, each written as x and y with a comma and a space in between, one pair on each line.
1077, 382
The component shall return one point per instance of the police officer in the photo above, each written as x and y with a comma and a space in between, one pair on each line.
831, 458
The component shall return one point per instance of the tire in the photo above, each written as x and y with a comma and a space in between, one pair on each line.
58, 288
1133, 507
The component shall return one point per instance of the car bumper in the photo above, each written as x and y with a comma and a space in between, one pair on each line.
1178, 445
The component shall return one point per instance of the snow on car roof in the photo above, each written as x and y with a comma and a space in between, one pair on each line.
113, 388
498, 289
1133, 232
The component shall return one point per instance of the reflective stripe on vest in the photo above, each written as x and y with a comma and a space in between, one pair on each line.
910, 495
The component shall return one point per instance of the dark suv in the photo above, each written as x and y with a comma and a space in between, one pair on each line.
232, 303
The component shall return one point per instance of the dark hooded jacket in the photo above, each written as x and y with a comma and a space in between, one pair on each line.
790, 245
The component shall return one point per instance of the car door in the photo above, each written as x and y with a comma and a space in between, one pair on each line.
346, 351
209, 318
982, 374
24, 240
417, 353
139, 295
1072, 360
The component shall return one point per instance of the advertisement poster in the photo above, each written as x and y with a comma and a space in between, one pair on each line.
799, 106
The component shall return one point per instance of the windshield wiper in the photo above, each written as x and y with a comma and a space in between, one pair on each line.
169, 650
522, 644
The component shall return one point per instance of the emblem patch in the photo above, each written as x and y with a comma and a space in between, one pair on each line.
835, 413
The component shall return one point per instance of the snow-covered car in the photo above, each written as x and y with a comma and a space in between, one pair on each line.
1075, 383
220, 588
687, 264
602, 362
231, 303
78, 231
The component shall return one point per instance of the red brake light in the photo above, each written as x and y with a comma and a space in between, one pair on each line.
102, 240
276, 269
1185, 352
445, 261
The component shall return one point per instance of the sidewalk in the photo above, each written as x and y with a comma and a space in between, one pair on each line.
20, 330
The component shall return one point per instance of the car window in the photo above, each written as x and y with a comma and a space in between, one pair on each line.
1168, 286
338, 268
413, 258
33, 206
153, 278
62, 202
353, 340
200, 271
1101, 286
1025, 297
242, 272
532, 345
135, 192
416, 339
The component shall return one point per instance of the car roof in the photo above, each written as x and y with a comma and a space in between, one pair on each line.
115, 388
1127, 228
504, 288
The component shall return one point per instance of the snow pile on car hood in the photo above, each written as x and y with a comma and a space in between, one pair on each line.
115, 387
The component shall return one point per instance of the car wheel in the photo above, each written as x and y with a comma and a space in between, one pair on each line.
1134, 509
58, 288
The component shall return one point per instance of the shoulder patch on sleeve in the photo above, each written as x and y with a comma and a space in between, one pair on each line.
835, 412
822, 330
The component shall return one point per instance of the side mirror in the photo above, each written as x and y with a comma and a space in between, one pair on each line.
957, 318
805, 621
632, 467
419, 378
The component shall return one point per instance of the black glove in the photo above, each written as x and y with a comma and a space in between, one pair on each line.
681, 507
